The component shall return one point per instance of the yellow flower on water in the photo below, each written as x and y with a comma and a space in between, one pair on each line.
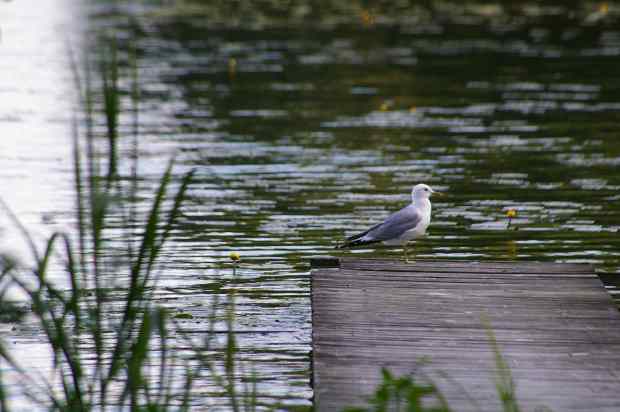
385, 106
235, 256
413, 109
510, 213
367, 18
603, 8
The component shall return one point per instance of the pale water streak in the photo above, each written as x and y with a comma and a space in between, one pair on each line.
37, 99
36, 103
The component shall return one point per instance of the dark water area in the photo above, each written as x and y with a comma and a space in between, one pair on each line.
303, 135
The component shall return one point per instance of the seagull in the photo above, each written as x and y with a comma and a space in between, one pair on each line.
399, 228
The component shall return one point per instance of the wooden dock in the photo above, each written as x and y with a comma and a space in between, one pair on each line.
555, 324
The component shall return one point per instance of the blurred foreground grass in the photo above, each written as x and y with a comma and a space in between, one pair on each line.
105, 354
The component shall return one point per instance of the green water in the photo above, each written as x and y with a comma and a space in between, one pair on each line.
317, 134
304, 135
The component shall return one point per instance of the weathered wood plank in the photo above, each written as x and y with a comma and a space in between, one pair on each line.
465, 267
423, 274
555, 324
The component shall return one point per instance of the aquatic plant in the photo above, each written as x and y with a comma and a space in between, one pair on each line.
504, 383
510, 214
409, 393
404, 393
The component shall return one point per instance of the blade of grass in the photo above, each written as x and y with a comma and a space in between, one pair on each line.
22, 229
149, 250
111, 108
506, 388
163, 352
189, 380
173, 215
231, 350
138, 356
4, 406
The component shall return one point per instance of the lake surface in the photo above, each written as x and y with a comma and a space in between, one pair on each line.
302, 135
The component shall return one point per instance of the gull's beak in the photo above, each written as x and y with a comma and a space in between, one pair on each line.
438, 193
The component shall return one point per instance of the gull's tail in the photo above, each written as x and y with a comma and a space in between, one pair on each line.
358, 240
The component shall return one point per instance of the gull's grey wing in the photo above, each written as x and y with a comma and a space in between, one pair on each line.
395, 225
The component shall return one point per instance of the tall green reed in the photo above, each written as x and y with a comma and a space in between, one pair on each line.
504, 383
105, 356
246, 399
84, 318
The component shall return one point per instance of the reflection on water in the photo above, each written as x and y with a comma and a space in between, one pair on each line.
302, 137
34, 114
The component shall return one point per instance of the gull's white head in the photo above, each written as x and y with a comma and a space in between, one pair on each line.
421, 192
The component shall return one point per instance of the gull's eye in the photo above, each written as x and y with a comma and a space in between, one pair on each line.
426, 190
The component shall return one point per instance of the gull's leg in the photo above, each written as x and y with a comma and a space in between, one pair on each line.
405, 252
407, 256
